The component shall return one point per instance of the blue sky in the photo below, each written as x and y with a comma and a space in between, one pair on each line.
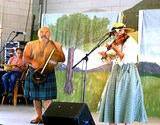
150, 40
52, 18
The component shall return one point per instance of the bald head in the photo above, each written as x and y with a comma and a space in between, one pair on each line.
44, 34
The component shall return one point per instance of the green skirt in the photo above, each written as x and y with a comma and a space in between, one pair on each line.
122, 99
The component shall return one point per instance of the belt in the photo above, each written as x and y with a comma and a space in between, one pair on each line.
31, 69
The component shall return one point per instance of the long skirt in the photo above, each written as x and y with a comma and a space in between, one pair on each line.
44, 91
122, 98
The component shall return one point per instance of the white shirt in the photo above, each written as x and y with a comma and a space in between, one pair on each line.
130, 50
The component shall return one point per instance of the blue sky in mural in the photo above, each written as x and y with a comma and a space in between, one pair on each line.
148, 30
94, 59
52, 18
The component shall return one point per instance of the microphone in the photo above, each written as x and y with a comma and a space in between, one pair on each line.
111, 33
17, 33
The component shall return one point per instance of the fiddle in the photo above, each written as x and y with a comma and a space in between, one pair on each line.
120, 40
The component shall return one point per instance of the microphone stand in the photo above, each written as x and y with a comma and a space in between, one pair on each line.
8, 40
86, 60
14, 37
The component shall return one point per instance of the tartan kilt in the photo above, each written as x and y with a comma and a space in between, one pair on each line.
44, 91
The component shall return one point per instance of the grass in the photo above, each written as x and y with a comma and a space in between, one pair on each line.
94, 87
95, 82
151, 89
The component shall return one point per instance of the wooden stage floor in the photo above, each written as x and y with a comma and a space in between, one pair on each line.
21, 115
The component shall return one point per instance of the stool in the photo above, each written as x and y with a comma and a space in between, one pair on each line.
18, 91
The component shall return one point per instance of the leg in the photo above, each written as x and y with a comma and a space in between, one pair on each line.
38, 109
13, 77
47, 103
5, 82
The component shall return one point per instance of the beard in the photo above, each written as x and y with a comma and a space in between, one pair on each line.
44, 38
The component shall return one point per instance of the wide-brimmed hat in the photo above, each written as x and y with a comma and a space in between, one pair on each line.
134, 35
119, 25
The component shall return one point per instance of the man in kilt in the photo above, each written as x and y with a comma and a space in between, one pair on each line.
42, 54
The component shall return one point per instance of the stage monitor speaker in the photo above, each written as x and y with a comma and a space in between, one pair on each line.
67, 113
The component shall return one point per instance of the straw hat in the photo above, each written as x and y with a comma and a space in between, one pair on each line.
134, 35
119, 25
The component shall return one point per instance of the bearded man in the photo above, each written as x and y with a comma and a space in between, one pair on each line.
42, 54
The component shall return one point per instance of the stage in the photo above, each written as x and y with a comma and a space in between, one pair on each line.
21, 115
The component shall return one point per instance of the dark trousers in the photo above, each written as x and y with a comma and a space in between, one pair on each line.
9, 80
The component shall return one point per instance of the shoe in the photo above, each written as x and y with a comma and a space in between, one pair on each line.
36, 121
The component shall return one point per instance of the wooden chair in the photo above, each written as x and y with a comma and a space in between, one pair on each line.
18, 91
3, 99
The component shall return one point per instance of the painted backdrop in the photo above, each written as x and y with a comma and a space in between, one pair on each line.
79, 33
149, 41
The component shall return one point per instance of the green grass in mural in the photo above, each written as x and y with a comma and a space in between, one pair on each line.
94, 87
62, 96
95, 84
151, 89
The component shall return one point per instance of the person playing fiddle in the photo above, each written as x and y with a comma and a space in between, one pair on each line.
122, 98
37, 54
15, 66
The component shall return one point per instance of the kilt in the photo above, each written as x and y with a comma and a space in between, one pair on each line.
122, 99
44, 91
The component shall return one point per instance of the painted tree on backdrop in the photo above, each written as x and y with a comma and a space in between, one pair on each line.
77, 31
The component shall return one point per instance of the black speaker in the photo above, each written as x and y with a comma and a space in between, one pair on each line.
67, 113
